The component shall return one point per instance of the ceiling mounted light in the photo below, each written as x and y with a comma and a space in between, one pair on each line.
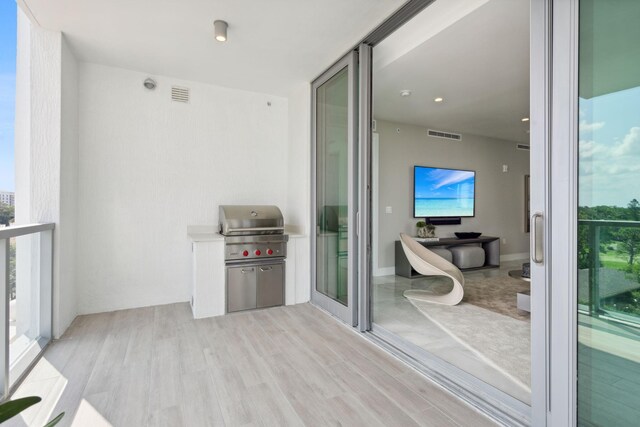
405, 93
525, 119
220, 30
438, 99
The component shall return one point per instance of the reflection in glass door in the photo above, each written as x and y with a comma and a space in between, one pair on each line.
334, 211
608, 316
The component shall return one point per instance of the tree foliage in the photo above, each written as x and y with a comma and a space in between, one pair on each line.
621, 240
7, 213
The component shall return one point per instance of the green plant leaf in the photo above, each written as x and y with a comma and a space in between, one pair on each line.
11, 408
54, 421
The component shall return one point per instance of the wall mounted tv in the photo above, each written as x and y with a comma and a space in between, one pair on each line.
442, 193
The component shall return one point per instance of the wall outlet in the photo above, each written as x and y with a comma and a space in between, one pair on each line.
388, 209
505, 168
504, 240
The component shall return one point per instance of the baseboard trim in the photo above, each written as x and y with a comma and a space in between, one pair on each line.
515, 257
384, 271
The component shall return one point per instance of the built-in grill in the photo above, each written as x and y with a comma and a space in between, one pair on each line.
255, 252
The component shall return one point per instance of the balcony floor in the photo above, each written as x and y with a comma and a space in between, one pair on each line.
282, 366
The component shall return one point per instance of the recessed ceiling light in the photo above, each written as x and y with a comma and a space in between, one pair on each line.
438, 99
405, 93
525, 119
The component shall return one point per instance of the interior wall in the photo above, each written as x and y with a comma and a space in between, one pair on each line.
298, 182
66, 229
499, 195
299, 150
148, 167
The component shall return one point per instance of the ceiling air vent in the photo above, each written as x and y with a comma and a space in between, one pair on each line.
445, 135
522, 147
179, 94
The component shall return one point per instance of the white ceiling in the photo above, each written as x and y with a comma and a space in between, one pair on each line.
474, 54
272, 45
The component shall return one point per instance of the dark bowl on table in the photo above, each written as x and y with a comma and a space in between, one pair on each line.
467, 235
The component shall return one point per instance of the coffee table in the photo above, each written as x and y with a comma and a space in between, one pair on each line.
517, 274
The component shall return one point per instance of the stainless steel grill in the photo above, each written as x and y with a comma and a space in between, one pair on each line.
243, 220
252, 232
255, 252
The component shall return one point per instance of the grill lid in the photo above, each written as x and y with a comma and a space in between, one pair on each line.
238, 220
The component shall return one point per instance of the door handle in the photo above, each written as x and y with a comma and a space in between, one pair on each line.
243, 271
536, 244
266, 268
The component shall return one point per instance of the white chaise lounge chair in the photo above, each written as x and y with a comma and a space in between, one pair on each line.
428, 263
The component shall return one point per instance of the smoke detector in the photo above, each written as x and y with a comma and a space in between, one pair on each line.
149, 83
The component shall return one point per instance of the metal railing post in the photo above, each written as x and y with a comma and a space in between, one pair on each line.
594, 279
4, 315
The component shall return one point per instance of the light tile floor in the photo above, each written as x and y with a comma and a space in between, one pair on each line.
294, 365
396, 314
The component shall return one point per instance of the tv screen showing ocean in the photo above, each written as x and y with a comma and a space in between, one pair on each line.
443, 192
443, 207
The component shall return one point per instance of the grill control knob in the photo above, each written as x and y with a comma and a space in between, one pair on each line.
245, 253
269, 252
258, 253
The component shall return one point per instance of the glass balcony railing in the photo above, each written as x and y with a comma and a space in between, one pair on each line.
26, 275
609, 269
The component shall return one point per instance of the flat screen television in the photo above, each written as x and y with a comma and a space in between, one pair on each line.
441, 193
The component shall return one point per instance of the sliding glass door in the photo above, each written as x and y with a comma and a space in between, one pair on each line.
608, 252
334, 245
594, 300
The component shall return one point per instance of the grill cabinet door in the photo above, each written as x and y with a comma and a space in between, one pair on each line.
270, 285
241, 288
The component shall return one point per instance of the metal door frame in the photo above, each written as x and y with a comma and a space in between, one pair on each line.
348, 313
561, 402
539, 114
553, 74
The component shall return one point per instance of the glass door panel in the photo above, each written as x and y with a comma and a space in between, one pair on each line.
332, 187
334, 213
434, 176
608, 351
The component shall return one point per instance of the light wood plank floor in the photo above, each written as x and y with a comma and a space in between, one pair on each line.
295, 365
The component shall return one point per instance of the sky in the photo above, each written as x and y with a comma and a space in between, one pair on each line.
7, 92
609, 149
443, 183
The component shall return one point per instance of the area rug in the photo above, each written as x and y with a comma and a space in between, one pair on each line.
487, 322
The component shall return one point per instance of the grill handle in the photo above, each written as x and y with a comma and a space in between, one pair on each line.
234, 230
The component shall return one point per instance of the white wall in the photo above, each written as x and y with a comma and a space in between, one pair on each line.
22, 141
499, 196
46, 128
298, 182
148, 167
24, 246
66, 309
